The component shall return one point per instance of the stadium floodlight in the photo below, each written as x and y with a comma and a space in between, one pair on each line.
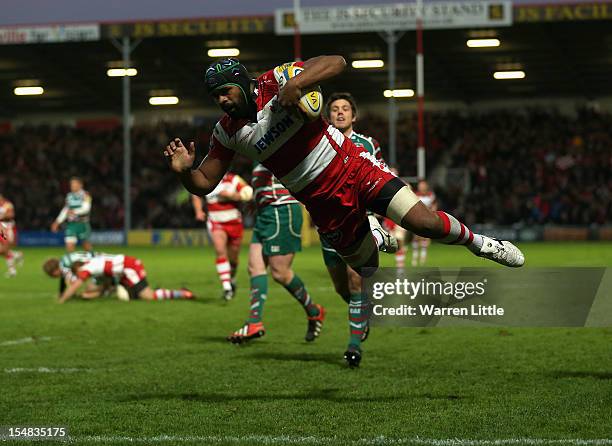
120, 72
369, 63
503, 75
28, 91
483, 43
401, 93
223, 52
163, 100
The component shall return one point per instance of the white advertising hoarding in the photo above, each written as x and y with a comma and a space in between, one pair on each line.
12, 35
395, 16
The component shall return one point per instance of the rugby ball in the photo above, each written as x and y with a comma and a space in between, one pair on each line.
311, 103
122, 293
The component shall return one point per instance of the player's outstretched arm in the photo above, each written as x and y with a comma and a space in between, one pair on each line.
200, 181
70, 291
316, 70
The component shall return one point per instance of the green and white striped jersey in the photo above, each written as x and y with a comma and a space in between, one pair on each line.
80, 205
368, 143
68, 260
267, 190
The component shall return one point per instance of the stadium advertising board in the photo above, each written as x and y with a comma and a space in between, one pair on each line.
28, 12
168, 237
197, 237
561, 13
11, 35
48, 238
396, 16
107, 238
40, 238
174, 28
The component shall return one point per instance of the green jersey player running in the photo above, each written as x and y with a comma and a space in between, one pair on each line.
276, 239
76, 215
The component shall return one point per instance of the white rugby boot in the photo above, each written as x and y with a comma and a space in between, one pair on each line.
502, 252
390, 244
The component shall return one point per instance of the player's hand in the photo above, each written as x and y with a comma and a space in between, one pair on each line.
54, 227
179, 157
200, 216
290, 95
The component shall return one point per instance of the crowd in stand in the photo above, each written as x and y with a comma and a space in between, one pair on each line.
524, 167
39, 161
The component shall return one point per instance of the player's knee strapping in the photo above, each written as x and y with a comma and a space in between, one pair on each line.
401, 203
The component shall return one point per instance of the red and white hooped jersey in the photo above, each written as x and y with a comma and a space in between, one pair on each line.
128, 270
428, 198
221, 210
109, 265
294, 150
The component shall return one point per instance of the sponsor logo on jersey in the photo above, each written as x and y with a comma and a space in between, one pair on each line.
272, 135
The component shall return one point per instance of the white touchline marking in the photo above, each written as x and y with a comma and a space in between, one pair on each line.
282, 440
24, 341
46, 370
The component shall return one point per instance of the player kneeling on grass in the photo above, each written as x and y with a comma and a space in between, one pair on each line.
128, 271
62, 269
276, 239
337, 181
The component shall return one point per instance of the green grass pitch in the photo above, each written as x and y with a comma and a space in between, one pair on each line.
162, 373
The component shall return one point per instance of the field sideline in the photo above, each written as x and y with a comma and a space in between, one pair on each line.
162, 373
